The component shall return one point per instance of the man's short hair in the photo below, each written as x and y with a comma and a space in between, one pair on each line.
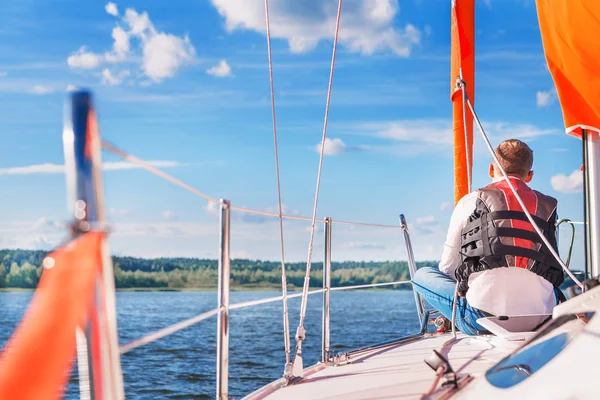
515, 157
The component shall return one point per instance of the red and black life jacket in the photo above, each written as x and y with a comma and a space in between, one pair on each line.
498, 233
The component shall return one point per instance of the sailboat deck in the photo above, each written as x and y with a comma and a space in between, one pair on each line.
399, 372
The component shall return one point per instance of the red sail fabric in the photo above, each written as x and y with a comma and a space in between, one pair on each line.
38, 358
462, 61
570, 33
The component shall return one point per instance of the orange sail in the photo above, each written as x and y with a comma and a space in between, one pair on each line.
38, 358
462, 64
570, 33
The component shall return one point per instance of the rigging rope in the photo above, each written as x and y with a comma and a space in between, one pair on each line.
369, 285
512, 188
568, 221
463, 88
301, 332
161, 333
167, 331
286, 322
149, 167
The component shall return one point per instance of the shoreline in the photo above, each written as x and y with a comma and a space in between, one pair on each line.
205, 289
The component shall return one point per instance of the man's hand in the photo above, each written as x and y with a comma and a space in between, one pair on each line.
463, 287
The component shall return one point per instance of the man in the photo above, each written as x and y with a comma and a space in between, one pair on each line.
489, 232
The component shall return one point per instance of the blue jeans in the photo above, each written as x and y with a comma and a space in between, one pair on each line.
437, 289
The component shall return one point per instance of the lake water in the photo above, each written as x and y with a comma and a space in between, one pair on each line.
182, 366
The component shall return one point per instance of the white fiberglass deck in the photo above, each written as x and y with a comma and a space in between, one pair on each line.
398, 372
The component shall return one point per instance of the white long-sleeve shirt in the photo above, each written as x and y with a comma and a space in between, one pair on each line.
499, 291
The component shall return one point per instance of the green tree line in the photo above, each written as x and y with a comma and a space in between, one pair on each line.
22, 269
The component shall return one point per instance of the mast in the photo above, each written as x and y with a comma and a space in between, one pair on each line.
462, 68
100, 375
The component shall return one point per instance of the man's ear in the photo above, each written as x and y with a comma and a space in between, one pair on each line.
491, 171
529, 177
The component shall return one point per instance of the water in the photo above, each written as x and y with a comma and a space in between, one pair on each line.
182, 366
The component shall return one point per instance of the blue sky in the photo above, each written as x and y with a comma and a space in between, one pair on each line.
187, 86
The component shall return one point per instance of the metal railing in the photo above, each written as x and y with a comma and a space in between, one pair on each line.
85, 176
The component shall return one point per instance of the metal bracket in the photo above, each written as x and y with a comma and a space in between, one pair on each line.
442, 367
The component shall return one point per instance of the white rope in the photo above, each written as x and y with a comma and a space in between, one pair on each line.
150, 168
270, 214
370, 285
463, 87
454, 305
167, 331
286, 322
147, 166
271, 299
300, 331
366, 224
521, 203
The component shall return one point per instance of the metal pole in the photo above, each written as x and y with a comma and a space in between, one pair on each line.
586, 257
98, 357
223, 318
593, 197
326, 294
412, 268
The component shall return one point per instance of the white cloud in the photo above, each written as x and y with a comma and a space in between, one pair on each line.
71, 88
568, 184
49, 168
164, 54
42, 243
363, 246
430, 219
212, 208
41, 90
434, 135
46, 224
423, 225
333, 147
241, 255
545, 98
109, 79
121, 165
118, 212
84, 59
220, 70
170, 215
120, 45
445, 206
427, 131
135, 41
111, 8
138, 23
367, 26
